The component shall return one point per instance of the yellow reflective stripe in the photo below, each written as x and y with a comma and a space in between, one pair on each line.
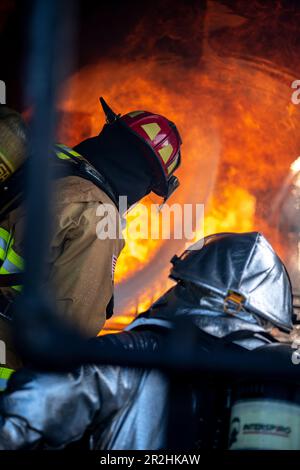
17, 288
172, 166
151, 129
15, 259
62, 156
12, 262
166, 152
2, 254
7, 162
5, 372
4, 271
4, 242
4, 234
75, 154
67, 153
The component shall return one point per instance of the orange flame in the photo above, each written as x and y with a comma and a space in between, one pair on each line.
240, 135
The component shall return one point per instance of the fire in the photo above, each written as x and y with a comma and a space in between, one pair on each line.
240, 136
137, 250
295, 166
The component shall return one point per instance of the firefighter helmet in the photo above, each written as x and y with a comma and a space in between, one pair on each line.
12, 142
160, 141
244, 271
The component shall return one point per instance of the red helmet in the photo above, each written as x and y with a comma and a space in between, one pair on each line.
160, 140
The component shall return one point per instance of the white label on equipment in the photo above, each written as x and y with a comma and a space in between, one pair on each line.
264, 424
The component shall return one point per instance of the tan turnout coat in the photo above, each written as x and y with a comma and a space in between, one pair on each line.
80, 264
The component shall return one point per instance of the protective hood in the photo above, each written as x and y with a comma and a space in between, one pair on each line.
226, 284
116, 155
241, 273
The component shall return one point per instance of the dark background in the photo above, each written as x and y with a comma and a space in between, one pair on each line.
133, 28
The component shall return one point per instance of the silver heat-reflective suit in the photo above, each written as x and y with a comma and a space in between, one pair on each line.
126, 408
57, 408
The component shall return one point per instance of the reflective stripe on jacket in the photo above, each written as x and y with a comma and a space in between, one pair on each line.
11, 261
5, 374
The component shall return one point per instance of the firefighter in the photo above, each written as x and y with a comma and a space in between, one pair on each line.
235, 291
133, 155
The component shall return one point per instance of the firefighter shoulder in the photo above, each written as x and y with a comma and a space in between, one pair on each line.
235, 290
81, 265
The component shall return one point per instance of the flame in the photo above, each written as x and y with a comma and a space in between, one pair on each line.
295, 166
240, 137
226, 217
138, 249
